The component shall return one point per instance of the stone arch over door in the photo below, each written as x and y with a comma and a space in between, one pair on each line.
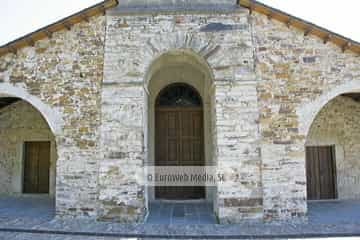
32, 135
132, 63
329, 125
187, 67
52, 116
308, 111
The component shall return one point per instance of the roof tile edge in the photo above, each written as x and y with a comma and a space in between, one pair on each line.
309, 28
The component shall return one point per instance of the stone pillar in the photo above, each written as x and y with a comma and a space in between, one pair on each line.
283, 156
236, 124
284, 180
238, 151
121, 196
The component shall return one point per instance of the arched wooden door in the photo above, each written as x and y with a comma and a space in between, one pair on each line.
179, 137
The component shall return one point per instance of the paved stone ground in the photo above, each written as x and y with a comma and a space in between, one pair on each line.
331, 212
325, 219
31, 236
181, 213
23, 236
39, 207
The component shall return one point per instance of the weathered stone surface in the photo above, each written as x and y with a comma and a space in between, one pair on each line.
64, 73
130, 51
297, 75
266, 83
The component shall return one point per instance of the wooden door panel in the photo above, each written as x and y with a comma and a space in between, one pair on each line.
198, 123
312, 168
186, 124
327, 187
36, 167
44, 166
320, 173
180, 130
30, 168
192, 154
198, 153
186, 152
171, 154
171, 124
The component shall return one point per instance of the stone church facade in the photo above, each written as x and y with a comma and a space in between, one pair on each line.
269, 90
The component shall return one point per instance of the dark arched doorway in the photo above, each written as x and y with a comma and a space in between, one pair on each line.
28, 158
179, 136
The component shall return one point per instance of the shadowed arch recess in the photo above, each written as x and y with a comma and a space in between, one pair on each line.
179, 94
190, 70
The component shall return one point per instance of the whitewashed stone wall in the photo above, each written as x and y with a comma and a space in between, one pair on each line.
338, 124
20, 122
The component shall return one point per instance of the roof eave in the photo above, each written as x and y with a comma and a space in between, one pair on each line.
65, 23
307, 27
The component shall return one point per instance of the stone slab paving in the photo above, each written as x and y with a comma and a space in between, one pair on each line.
330, 212
181, 213
41, 207
88, 228
325, 219
32, 236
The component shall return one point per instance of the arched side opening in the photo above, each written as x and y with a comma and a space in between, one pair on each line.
52, 117
180, 70
333, 150
28, 156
